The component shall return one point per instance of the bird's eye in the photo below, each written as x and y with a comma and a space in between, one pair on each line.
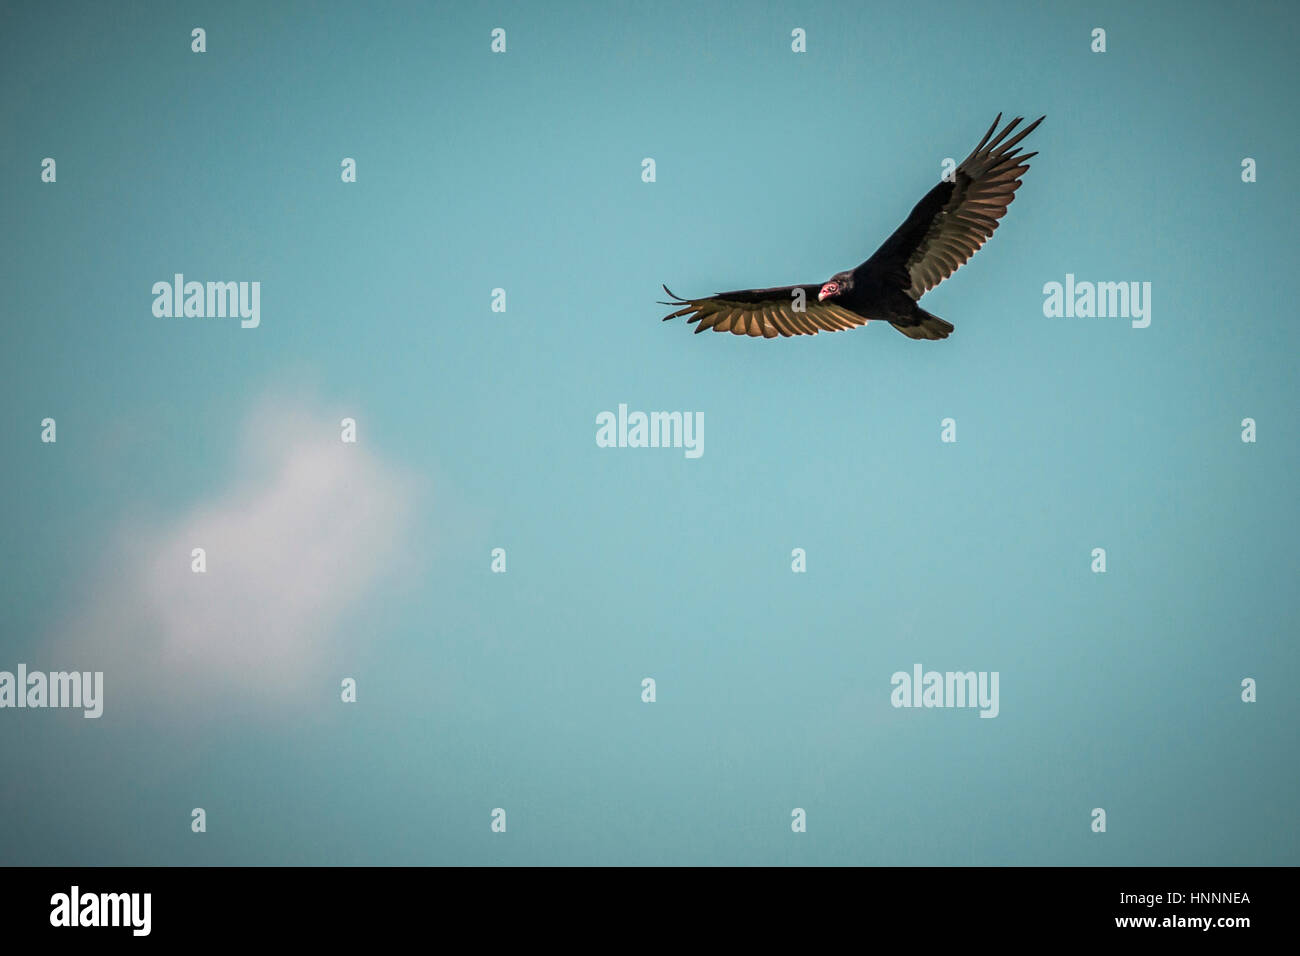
832, 287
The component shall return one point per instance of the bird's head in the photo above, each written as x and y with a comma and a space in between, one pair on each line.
836, 286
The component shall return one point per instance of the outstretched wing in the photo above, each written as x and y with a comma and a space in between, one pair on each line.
765, 312
954, 219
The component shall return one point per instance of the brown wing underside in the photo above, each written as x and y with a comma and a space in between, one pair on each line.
765, 312
945, 231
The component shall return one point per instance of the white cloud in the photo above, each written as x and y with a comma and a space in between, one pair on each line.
307, 529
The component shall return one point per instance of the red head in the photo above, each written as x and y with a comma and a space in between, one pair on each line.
835, 286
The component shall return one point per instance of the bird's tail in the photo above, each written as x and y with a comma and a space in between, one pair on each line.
922, 325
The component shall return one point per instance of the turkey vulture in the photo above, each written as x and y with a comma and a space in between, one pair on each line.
944, 230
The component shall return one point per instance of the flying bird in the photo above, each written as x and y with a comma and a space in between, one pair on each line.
945, 228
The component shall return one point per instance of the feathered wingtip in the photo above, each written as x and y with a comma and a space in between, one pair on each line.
1000, 142
677, 300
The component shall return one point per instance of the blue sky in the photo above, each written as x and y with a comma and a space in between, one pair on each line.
477, 430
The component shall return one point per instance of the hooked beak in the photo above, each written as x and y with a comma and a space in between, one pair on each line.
825, 291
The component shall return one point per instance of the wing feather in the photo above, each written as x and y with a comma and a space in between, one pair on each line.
765, 313
954, 220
